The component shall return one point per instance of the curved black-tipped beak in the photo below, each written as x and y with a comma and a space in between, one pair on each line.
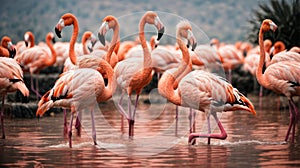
12, 53
93, 43
160, 33
194, 46
53, 40
90, 49
188, 44
57, 32
101, 38
26, 43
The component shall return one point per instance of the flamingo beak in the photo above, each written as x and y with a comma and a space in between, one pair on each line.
53, 40
57, 32
160, 33
26, 43
101, 38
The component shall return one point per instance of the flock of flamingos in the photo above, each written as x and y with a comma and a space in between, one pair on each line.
130, 65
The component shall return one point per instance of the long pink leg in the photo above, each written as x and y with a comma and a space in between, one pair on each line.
176, 121
93, 127
296, 113
129, 117
65, 122
208, 128
2, 117
37, 88
291, 120
222, 135
33, 89
78, 123
70, 130
133, 115
123, 113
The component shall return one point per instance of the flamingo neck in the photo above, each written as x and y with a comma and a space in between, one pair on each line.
73, 39
114, 41
111, 87
84, 47
168, 80
146, 52
259, 75
31, 39
52, 60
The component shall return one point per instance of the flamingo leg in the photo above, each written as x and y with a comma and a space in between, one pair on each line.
65, 122
122, 112
291, 120
78, 123
70, 130
121, 107
37, 88
192, 120
222, 135
133, 115
176, 121
296, 113
2, 117
33, 89
129, 119
93, 127
260, 91
208, 128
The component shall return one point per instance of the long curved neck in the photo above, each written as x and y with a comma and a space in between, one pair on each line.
31, 39
73, 39
52, 60
84, 47
259, 70
146, 52
114, 40
110, 88
171, 93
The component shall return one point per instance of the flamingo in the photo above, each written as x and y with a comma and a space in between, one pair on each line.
70, 19
282, 77
11, 80
7, 49
27, 43
88, 35
133, 74
74, 87
230, 56
201, 90
36, 58
77, 90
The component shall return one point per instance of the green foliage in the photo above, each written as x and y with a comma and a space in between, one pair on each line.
285, 14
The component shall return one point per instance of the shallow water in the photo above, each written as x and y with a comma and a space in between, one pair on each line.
253, 141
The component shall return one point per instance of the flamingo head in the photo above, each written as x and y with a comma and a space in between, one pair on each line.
152, 18
109, 22
7, 43
66, 20
184, 30
267, 25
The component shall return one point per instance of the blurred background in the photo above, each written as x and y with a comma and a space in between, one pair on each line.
228, 20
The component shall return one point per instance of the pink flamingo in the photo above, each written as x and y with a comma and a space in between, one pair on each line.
135, 73
282, 77
27, 43
11, 80
201, 90
36, 58
7, 49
